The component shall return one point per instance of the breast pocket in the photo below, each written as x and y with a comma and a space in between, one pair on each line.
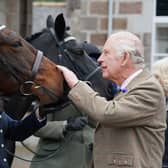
118, 160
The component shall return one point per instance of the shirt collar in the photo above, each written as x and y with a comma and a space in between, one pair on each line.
130, 78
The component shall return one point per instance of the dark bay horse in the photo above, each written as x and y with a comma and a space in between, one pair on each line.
23, 68
24, 71
64, 49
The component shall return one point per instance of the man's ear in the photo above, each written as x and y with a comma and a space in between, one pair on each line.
125, 58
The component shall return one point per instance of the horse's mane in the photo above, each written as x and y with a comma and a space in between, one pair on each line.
35, 35
74, 48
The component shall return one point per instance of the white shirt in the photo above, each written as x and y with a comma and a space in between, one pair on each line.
130, 78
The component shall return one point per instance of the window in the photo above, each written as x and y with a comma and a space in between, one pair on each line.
160, 30
162, 8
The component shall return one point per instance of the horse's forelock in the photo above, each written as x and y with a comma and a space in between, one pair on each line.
33, 36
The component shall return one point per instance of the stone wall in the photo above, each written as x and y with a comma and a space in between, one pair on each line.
90, 20
17, 15
9, 14
42, 10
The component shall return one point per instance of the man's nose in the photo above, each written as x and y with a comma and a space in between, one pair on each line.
100, 60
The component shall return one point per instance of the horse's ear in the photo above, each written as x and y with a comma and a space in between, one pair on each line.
50, 21
60, 26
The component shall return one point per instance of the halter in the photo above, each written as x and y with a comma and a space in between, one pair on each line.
64, 52
29, 83
25, 86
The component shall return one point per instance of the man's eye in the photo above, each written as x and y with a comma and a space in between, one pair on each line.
105, 52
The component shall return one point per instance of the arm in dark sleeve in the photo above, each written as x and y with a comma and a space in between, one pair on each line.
20, 130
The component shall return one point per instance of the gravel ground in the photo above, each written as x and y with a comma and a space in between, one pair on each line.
24, 153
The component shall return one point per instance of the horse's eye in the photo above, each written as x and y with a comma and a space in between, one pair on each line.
17, 44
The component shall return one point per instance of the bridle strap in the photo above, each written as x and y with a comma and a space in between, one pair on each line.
36, 64
69, 38
35, 69
92, 73
26, 85
65, 53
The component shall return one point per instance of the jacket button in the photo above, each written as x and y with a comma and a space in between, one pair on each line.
0, 116
1, 131
2, 145
4, 159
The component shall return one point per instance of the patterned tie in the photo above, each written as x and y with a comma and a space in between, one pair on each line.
123, 90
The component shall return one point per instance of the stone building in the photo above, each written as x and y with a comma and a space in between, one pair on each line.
17, 14
98, 18
94, 20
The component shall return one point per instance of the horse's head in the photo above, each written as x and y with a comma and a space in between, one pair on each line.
64, 49
23, 68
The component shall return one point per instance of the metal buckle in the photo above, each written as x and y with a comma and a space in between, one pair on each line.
26, 88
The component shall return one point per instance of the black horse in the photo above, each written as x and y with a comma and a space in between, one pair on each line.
62, 48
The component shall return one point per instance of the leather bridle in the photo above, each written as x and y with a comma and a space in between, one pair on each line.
65, 53
25, 87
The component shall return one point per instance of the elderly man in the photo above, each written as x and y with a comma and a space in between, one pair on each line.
131, 127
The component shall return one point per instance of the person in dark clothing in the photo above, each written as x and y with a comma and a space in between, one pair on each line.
160, 71
17, 130
165, 156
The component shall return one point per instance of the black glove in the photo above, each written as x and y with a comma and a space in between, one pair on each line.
77, 123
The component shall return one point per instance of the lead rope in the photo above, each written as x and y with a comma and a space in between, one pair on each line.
67, 139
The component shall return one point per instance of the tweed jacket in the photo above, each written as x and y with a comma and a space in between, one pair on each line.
16, 131
130, 133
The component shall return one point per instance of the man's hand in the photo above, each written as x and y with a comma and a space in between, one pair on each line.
69, 76
75, 124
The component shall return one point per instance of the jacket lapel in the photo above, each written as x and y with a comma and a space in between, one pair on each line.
144, 75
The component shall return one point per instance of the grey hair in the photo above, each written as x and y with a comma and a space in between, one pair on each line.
160, 70
128, 42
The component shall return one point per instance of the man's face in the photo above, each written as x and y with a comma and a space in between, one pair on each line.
110, 63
